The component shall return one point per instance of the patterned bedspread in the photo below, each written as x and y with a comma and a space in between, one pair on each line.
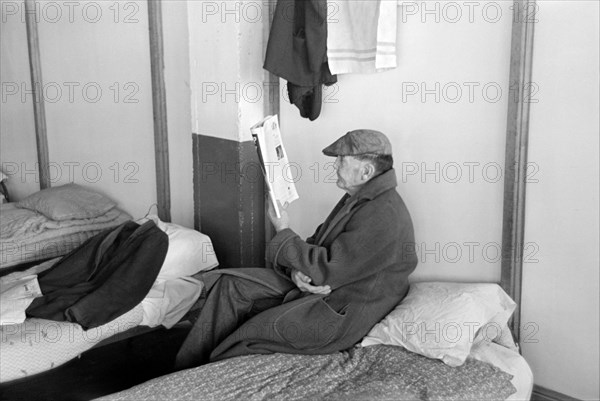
371, 373
27, 236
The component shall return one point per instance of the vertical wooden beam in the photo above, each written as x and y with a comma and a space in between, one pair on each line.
271, 81
517, 134
271, 102
39, 110
197, 166
159, 104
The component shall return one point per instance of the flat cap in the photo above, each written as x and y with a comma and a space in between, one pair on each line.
360, 142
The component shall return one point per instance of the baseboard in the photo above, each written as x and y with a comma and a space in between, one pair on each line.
540, 393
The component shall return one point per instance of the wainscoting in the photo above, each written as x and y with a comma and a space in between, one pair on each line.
229, 200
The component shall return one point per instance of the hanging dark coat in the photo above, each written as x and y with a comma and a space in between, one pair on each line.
297, 52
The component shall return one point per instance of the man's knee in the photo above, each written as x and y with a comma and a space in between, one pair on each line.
228, 284
227, 281
237, 287
262, 285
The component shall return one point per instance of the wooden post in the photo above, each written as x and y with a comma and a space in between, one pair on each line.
517, 134
159, 104
39, 110
270, 105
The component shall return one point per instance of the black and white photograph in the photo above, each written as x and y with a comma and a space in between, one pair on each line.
426, 225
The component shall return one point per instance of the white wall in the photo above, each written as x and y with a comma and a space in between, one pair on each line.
177, 82
457, 213
226, 67
105, 129
97, 88
18, 155
561, 286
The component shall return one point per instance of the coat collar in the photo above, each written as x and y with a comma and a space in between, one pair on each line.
370, 190
375, 187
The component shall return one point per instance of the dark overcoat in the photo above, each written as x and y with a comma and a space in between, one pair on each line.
364, 250
297, 52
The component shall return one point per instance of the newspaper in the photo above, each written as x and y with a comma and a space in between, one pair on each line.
274, 162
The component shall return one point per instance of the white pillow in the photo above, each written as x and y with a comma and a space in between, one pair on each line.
189, 251
67, 202
443, 320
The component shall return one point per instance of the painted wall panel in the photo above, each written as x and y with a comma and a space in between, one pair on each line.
444, 109
561, 285
98, 94
18, 157
225, 66
177, 81
95, 65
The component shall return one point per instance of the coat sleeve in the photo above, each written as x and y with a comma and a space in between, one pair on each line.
368, 243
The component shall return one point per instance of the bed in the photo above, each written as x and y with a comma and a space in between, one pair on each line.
402, 358
443, 341
37, 345
52, 223
381, 372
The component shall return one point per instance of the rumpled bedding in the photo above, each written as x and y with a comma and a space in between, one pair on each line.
37, 345
24, 223
379, 372
27, 236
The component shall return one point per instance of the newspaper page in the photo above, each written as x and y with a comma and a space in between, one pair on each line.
274, 161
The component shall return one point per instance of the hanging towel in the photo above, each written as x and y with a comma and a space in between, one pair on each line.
361, 35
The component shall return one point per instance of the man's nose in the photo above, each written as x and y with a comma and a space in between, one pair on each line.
337, 162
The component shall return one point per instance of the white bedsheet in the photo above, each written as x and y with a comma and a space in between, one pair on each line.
38, 345
509, 361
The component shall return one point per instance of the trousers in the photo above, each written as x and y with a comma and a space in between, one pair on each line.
230, 301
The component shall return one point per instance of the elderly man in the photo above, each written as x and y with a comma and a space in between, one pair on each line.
323, 294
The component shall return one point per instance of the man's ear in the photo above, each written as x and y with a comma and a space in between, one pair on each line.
368, 171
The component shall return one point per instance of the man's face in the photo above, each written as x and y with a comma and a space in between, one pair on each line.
350, 173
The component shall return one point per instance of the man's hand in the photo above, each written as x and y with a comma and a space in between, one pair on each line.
302, 281
280, 223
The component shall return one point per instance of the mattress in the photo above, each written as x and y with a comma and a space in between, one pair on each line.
38, 345
380, 372
27, 236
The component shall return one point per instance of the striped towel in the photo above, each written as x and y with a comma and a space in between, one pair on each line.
361, 35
